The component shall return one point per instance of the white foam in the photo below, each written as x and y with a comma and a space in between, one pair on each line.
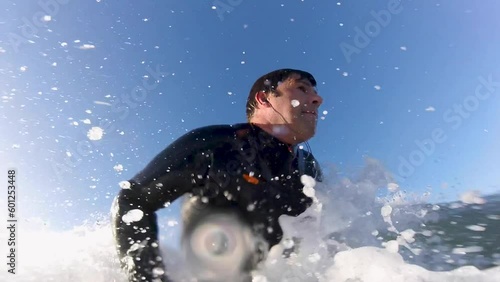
86, 47
408, 235
346, 207
95, 133
392, 187
124, 184
471, 249
475, 228
471, 197
84, 253
370, 264
386, 211
132, 216
118, 168
87, 253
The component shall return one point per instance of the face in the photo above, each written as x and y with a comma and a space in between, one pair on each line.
298, 105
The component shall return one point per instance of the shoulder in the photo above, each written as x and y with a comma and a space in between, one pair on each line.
183, 152
220, 132
209, 136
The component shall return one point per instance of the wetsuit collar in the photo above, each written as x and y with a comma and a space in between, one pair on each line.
271, 139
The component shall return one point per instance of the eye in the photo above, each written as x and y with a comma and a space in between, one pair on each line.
302, 88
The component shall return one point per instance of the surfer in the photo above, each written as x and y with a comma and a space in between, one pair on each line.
251, 171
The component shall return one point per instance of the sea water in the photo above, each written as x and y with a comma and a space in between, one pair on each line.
348, 234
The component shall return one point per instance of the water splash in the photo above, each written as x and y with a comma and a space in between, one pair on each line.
340, 238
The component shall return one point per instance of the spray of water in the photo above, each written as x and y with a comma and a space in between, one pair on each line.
348, 234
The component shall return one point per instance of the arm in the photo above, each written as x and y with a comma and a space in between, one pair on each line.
172, 173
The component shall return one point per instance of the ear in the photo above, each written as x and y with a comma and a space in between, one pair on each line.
261, 98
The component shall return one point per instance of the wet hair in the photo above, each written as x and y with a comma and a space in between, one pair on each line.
269, 82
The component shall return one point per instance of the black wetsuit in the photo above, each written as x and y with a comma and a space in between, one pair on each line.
239, 167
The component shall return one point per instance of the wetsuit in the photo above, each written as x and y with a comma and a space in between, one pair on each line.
238, 167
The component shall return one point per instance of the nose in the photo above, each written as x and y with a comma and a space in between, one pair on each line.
316, 100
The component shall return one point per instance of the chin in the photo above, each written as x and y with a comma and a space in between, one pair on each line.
308, 137
305, 136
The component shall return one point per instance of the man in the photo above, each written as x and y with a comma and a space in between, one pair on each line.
252, 170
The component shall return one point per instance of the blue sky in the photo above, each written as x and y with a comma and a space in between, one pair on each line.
196, 65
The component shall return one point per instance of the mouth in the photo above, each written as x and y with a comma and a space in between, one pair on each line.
313, 113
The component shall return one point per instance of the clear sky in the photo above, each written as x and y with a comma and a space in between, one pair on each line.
392, 75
